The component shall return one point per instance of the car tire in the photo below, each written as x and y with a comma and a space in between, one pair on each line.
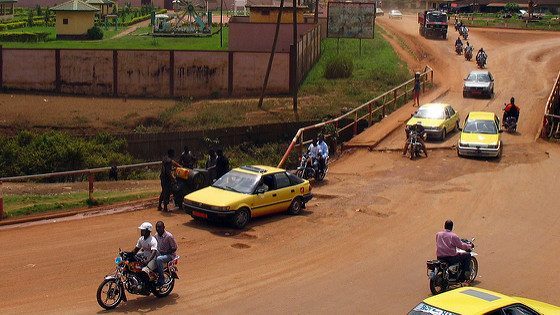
296, 206
240, 218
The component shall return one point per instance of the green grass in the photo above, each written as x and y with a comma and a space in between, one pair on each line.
131, 41
496, 20
21, 205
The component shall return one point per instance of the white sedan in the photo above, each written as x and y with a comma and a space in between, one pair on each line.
395, 14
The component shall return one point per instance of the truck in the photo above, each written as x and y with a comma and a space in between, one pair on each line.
433, 24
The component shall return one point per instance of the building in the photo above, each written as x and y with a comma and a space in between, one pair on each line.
7, 9
492, 6
73, 19
268, 13
105, 6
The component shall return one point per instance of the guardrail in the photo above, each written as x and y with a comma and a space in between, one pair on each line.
551, 120
366, 111
89, 172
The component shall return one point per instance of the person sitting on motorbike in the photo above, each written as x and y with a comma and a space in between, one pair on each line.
458, 42
464, 30
323, 152
167, 247
481, 54
146, 247
312, 152
468, 48
447, 244
421, 133
511, 110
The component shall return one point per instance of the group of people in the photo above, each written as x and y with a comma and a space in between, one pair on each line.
217, 165
480, 55
155, 251
318, 152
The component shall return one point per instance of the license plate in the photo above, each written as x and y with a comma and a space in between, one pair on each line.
200, 214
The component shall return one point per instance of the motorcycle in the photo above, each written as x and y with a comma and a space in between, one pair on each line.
510, 122
305, 169
443, 276
129, 276
468, 54
481, 62
414, 145
321, 172
464, 32
459, 49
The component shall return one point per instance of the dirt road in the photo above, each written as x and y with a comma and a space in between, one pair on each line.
362, 246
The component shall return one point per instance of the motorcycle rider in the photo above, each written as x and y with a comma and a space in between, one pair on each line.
481, 54
420, 131
510, 110
468, 49
167, 247
447, 243
312, 152
323, 152
146, 248
459, 43
464, 31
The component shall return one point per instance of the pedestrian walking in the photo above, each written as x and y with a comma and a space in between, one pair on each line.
167, 179
416, 89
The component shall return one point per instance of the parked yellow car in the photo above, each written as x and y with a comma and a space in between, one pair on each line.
475, 301
480, 135
438, 119
247, 192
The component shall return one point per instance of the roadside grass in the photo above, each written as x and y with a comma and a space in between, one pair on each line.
27, 204
131, 41
543, 24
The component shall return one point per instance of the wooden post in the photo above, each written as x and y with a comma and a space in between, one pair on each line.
355, 123
1, 202
90, 181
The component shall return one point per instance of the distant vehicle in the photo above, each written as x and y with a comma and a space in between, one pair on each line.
438, 119
432, 24
247, 192
476, 301
480, 136
479, 82
379, 12
395, 14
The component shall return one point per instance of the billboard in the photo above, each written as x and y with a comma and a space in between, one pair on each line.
350, 19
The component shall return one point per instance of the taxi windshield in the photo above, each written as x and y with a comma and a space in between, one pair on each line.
480, 126
430, 113
236, 181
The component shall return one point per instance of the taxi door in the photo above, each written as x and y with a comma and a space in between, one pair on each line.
264, 202
285, 190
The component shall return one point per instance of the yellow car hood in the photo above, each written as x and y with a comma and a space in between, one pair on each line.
541, 307
216, 197
479, 138
426, 122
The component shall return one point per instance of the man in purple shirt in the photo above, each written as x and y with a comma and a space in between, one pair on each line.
447, 243
166, 247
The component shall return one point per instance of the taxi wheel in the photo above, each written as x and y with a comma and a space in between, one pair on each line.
241, 218
295, 206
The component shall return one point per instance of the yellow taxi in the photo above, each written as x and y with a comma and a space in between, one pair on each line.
480, 135
248, 192
438, 119
475, 301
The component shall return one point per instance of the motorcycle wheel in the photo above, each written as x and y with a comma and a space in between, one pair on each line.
165, 289
110, 298
438, 285
320, 175
474, 269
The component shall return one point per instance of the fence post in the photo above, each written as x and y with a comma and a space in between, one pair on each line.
355, 123
383, 108
395, 98
1, 202
405, 92
370, 115
301, 145
90, 181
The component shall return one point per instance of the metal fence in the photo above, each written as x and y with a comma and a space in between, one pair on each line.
371, 112
86, 172
551, 120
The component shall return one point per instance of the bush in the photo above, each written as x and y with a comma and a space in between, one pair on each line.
11, 26
339, 67
95, 33
23, 37
33, 153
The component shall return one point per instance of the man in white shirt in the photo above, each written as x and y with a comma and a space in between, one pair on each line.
323, 152
147, 247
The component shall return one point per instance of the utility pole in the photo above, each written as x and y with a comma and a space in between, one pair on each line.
295, 58
221, 23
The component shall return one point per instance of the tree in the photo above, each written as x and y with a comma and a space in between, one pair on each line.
512, 7
39, 11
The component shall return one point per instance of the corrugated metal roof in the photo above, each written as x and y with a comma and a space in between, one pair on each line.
75, 5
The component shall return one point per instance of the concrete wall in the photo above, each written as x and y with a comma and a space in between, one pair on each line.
250, 69
78, 22
144, 73
86, 72
245, 36
29, 69
201, 73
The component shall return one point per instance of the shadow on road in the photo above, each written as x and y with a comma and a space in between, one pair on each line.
143, 304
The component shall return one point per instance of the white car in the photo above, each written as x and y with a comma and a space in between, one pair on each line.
395, 14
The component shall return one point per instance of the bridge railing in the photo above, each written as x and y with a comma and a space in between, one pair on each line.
371, 112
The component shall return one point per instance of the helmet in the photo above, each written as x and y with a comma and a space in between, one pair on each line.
481, 49
146, 226
512, 100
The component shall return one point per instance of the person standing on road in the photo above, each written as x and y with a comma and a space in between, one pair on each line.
167, 248
416, 89
166, 178
187, 158
447, 244
222, 164
211, 164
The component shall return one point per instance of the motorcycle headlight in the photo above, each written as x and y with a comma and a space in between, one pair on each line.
118, 260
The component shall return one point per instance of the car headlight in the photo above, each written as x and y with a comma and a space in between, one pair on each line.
218, 208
